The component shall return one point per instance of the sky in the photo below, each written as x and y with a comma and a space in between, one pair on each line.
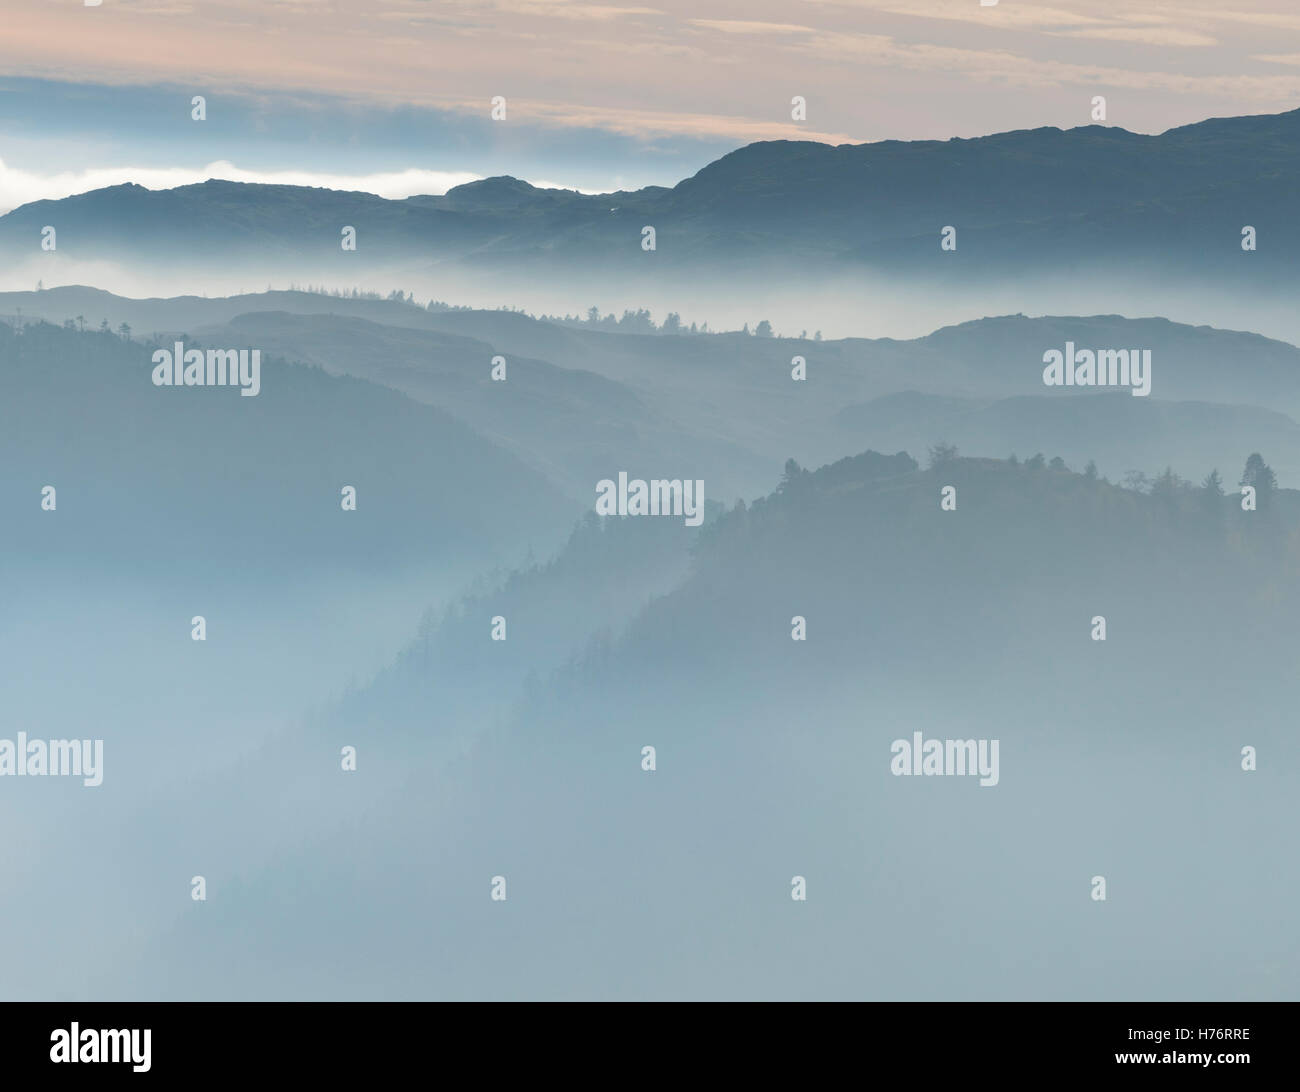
394, 96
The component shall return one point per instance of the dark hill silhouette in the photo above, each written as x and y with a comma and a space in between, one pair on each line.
1096, 194
179, 479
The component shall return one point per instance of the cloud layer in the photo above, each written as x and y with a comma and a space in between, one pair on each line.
690, 66
18, 187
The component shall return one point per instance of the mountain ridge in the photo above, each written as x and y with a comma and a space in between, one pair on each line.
1179, 196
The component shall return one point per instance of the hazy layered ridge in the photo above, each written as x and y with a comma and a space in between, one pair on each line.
581, 404
175, 504
1119, 758
167, 479
522, 757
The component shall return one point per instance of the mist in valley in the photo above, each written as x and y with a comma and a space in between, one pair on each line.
371, 651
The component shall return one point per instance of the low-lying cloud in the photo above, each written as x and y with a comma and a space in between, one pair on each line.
18, 187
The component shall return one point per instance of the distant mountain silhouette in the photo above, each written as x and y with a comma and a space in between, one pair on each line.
1046, 197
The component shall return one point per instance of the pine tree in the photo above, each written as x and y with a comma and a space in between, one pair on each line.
1260, 475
